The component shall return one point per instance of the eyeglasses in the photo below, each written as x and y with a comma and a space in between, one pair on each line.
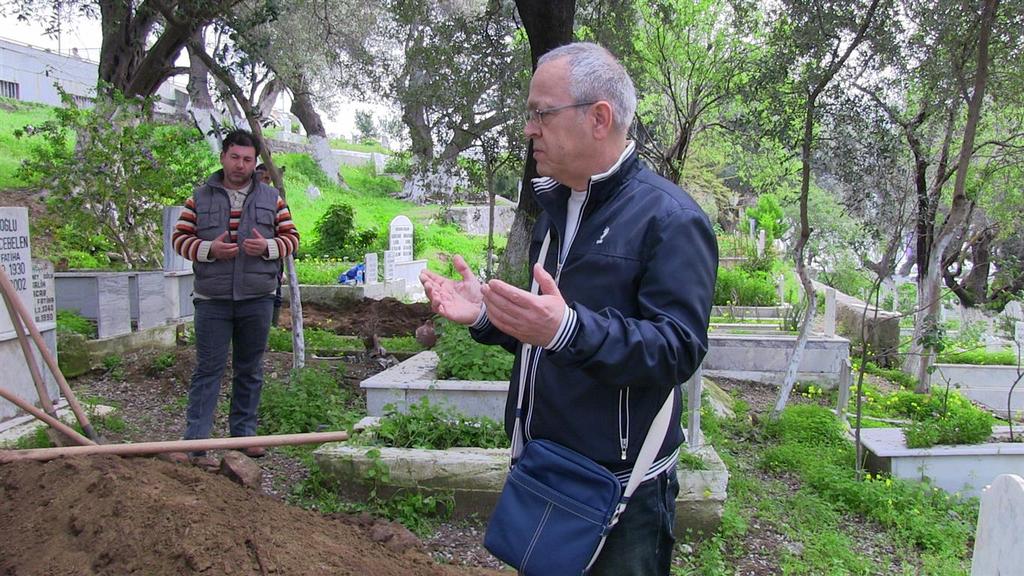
537, 115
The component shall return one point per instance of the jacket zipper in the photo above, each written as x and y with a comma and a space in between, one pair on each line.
560, 261
623, 430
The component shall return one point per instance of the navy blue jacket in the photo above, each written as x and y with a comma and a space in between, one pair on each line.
639, 280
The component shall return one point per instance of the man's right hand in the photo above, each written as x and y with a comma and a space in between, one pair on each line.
222, 249
457, 301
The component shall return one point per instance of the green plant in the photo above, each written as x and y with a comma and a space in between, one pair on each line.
320, 271
434, 427
107, 192
338, 237
462, 358
769, 215
399, 163
690, 461
738, 287
74, 323
163, 362
982, 357
309, 401
114, 365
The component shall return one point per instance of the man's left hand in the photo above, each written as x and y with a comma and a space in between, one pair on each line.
528, 317
256, 245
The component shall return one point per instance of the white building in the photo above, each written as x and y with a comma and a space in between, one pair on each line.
29, 73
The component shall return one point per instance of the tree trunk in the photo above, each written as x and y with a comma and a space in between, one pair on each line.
268, 96
792, 369
302, 107
200, 102
490, 218
807, 141
959, 203
548, 25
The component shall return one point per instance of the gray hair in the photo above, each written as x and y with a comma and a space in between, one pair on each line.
596, 74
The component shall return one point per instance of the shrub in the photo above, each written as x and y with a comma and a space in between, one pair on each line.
74, 323
337, 236
769, 216
107, 194
462, 358
807, 424
309, 401
739, 287
435, 427
983, 357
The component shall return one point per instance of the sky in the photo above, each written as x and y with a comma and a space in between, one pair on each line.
83, 35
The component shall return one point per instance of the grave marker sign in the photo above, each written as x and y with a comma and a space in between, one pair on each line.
389, 265
371, 267
15, 258
44, 292
400, 238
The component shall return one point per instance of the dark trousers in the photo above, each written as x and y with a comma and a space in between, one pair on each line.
244, 325
641, 542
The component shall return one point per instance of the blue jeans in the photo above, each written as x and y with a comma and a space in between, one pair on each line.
641, 542
245, 325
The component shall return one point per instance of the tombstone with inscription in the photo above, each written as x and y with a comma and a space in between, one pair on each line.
33, 285
389, 265
371, 267
400, 238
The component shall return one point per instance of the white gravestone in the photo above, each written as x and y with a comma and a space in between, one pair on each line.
400, 238
389, 265
44, 293
15, 260
370, 261
830, 312
29, 281
173, 262
999, 541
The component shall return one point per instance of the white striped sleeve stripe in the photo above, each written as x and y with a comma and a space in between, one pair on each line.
481, 320
566, 330
659, 466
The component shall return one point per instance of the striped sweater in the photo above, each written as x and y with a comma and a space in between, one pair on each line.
191, 247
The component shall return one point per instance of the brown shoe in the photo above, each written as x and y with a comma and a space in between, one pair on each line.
255, 451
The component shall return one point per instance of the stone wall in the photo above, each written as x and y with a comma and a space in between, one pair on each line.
883, 330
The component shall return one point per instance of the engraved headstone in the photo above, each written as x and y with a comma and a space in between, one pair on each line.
371, 267
313, 193
999, 540
389, 265
15, 258
400, 238
43, 291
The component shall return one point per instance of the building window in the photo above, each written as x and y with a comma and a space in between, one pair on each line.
9, 89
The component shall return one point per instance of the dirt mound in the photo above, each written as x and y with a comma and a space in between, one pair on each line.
385, 317
111, 515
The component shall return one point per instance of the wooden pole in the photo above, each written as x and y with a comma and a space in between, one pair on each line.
51, 362
141, 448
53, 422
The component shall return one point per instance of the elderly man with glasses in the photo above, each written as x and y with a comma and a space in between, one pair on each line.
625, 291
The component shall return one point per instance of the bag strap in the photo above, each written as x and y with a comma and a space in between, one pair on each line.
524, 366
652, 442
